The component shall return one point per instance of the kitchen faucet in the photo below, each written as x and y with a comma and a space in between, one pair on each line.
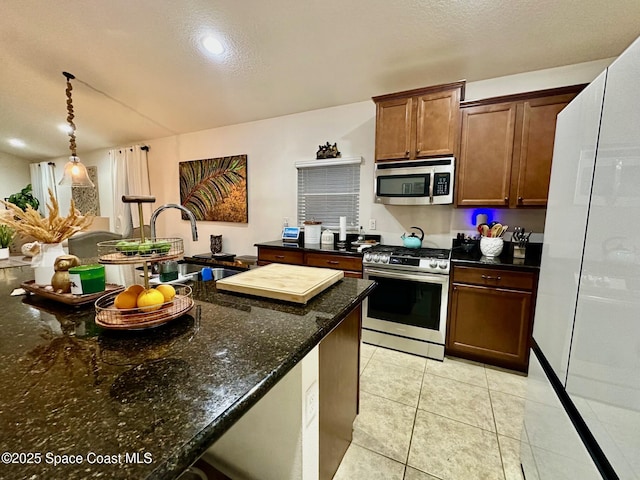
157, 211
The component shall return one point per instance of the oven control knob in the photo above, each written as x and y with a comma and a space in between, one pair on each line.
443, 264
433, 263
367, 257
375, 257
384, 258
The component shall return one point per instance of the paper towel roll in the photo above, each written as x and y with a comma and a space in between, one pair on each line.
343, 229
481, 218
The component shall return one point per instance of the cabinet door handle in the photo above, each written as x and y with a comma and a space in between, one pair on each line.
489, 277
333, 262
506, 199
406, 154
520, 199
418, 152
279, 257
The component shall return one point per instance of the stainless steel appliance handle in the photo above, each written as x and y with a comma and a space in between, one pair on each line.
424, 278
432, 177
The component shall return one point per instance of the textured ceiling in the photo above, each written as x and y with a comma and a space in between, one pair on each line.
141, 73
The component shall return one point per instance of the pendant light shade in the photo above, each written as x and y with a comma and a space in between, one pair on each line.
75, 173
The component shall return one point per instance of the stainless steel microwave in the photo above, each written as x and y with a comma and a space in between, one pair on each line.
416, 182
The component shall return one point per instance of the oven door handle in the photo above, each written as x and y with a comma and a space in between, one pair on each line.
424, 278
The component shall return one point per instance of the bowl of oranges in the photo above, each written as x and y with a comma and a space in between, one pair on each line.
138, 307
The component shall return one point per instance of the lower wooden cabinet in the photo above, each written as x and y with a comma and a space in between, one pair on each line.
490, 316
339, 360
274, 255
350, 264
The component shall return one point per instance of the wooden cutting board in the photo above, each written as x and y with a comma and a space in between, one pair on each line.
293, 283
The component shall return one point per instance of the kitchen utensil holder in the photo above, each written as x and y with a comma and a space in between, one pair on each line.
491, 246
519, 252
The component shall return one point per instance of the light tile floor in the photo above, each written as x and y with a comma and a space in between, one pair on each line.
427, 420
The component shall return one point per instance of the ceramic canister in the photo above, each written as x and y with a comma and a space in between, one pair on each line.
312, 232
491, 247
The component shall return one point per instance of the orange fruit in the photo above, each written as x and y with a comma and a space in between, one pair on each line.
136, 289
167, 291
150, 300
126, 299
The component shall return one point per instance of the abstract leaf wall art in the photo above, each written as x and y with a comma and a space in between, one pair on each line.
215, 189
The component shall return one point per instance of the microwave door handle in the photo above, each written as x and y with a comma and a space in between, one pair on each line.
431, 180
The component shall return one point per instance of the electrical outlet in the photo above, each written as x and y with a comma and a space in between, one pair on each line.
311, 403
372, 224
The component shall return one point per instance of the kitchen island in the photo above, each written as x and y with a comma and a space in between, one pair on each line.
144, 404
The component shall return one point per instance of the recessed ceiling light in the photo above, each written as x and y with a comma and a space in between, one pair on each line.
16, 142
63, 127
213, 45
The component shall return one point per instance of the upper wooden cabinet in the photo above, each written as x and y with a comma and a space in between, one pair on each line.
418, 123
506, 148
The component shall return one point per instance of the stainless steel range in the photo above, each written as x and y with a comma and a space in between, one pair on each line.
408, 309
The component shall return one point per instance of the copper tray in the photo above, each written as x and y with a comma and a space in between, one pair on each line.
69, 298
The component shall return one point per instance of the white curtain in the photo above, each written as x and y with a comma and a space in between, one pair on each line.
43, 178
130, 170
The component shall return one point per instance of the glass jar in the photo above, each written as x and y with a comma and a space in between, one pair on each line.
168, 271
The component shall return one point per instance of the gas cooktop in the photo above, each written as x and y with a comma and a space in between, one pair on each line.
428, 260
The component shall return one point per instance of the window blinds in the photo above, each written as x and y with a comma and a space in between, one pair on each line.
327, 191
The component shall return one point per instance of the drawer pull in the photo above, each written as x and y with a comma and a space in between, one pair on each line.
279, 257
489, 277
333, 262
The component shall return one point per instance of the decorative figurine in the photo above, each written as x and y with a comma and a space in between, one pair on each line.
327, 151
60, 281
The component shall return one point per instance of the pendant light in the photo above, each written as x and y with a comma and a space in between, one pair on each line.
75, 173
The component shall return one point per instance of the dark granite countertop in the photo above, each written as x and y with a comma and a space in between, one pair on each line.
504, 261
349, 250
153, 400
237, 263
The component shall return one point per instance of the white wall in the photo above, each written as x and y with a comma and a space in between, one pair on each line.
274, 145
14, 173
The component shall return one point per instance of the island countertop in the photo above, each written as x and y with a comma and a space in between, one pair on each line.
143, 404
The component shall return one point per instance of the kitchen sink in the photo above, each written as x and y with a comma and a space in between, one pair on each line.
192, 271
216, 272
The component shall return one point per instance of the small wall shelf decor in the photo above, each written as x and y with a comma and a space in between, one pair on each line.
215, 189
328, 151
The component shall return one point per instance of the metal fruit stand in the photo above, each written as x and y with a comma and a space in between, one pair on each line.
141, 251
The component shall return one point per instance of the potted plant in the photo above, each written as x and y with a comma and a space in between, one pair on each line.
6, 235
23, 198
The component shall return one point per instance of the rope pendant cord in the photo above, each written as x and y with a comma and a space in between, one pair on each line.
70, 115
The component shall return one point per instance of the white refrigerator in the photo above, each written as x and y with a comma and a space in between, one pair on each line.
582, 412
